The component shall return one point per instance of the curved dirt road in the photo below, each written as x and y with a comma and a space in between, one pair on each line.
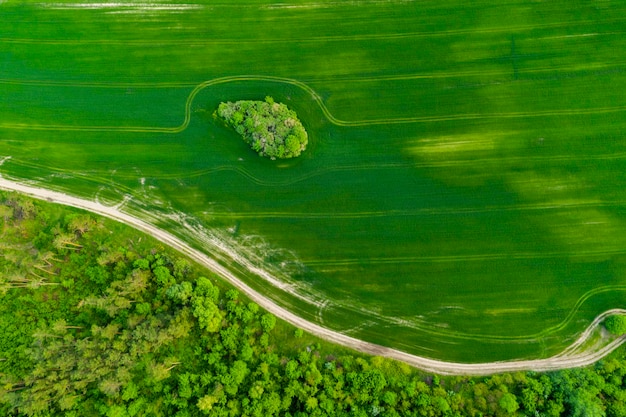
567, 359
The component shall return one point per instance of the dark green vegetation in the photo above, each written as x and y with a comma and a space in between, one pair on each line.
270, 128
99, 320
462, 195
616, 324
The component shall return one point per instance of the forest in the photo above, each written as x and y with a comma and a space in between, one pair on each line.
97, 319
271, 129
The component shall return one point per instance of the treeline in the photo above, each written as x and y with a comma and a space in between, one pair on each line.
99, 320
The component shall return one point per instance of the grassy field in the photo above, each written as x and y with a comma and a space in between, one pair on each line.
461, 197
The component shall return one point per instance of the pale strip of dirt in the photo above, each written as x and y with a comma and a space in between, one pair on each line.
567, 360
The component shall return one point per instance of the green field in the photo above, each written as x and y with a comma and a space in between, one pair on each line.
461, 196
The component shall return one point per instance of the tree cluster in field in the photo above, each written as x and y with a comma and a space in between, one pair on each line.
270, 128
99, 320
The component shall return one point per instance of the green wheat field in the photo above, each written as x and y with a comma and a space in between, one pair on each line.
462, 195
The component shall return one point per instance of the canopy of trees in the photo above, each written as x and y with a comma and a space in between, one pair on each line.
270, 128
616, 324
98, 320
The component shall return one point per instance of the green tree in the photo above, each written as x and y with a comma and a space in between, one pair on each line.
181, 293
616, 324
508, 403
268, 321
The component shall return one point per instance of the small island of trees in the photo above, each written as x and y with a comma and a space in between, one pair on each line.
270, 128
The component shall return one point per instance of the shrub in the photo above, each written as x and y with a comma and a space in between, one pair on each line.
616, 324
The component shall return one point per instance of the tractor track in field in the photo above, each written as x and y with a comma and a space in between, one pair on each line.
329, 38
325, 111
572, 356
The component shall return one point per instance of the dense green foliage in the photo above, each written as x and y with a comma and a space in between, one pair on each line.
270, 128
98, 320
616, 324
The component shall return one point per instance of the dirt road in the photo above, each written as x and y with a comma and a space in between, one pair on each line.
567, 359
